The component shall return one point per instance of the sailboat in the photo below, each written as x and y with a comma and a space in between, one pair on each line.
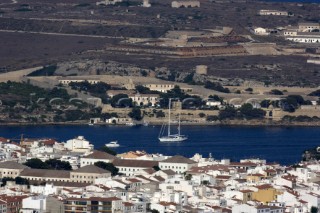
171, 137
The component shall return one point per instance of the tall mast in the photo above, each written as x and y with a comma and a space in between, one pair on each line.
179, 125
169, 116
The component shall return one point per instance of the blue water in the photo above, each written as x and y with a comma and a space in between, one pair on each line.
281, 144
297, 1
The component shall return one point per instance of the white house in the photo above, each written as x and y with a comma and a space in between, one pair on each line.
313, 199
177, 163
164, 207
160, 87
144, 99
273, 13
213, 103
41, 204
260, 31
245, 208
48, 189
79, 144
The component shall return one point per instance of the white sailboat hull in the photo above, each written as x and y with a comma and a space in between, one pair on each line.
173, 138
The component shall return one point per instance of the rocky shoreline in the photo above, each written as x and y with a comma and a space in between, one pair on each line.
248, 123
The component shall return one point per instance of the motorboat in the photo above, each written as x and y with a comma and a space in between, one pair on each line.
112, 144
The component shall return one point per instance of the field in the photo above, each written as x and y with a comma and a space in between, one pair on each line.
44, 32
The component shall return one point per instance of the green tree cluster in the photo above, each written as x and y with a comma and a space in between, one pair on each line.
136, 114
246, 111
18, 180
315, 93
108, 150
98, 88
107, 166
216, 86
36, 163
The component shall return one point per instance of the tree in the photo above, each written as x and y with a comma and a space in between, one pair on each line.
216, 98
58, 164
249, 89
160, 114
157, 168
216, 86
107, 150
265, 103
36, 163
276, 92
314, 209
107, 166
21, 181
227, 113
121, 100
188, 177
315, 93
249, 112
202, 115
212, 118
135, 114
4, 180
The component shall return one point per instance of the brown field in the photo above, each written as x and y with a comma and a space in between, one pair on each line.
24, 50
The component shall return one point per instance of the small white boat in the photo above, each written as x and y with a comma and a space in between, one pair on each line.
112, 144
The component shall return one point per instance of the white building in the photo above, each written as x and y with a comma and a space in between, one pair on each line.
48, 189
124, 121
302, 37
68, 81
260, 31
144, 99
96, 156
133, 167
79, 144
273, 13
308, 26
160, 87
178, 164
245, 208
41, 204
313, 199
213, 103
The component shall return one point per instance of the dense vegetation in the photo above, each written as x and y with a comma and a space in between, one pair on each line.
216, 86
36, 163
108, 150
315, 93
107, 166
17, 180
246, 111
